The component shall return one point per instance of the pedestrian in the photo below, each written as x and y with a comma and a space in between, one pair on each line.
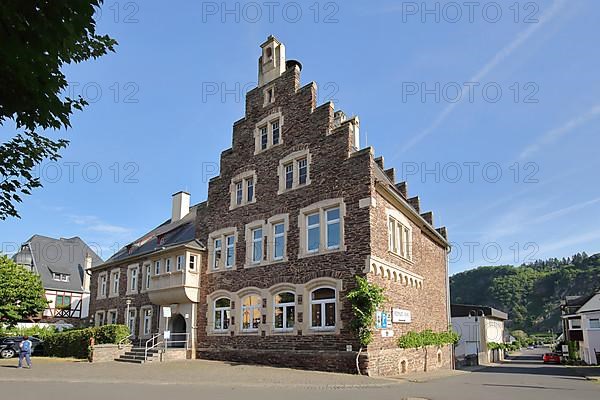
25, 348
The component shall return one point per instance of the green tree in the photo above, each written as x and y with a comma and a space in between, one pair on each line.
21, 293
38, 38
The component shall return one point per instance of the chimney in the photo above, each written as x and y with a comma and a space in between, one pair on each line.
87, 272
271, 64
181, 206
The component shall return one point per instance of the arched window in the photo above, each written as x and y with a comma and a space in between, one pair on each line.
285, 310
322, 308
222, 314
251, 313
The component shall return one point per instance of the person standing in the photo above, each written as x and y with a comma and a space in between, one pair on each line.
25, 351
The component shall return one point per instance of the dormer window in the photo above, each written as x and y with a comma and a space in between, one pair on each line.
268, 132
60, 277
243, 189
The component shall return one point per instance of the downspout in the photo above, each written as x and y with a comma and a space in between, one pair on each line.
448, 315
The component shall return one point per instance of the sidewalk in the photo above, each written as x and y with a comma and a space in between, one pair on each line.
589, 373
422, 377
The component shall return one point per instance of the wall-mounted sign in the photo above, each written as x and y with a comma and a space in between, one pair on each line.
401, 316
387, 333
381, 320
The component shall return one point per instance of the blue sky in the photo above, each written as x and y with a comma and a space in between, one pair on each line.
492, 118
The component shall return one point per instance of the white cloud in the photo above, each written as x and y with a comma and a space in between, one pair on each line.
500, 56
95, 224
553, 135
571, 241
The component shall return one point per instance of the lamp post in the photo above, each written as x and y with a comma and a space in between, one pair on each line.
128, 302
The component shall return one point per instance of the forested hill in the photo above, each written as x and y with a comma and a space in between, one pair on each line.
529, 293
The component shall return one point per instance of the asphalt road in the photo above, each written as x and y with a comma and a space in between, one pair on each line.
523, 378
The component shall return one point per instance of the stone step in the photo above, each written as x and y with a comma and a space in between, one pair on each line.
129, 361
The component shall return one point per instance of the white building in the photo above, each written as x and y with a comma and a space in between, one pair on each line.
477, 326
584, 327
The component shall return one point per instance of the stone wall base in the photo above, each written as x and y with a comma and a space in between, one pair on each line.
392, 362
329, 361
108, 352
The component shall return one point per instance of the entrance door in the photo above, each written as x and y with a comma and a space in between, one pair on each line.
178, 332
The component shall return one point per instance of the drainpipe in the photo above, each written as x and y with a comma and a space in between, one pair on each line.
194, 328
449, 316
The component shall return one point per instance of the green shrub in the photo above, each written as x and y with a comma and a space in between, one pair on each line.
35, 331
111, 334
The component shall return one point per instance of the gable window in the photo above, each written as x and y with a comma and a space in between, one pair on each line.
275, 132
294, 171
251, 313
269, 96
268, 133
180, 262
594, 323
221, 249
399, 235
222, 314
322, 309
157, 267
193, 261
217, 254
230, 249
313, 233
322, 227
250, 189
285, 309
60, 277
243, 189
278, 241
257, 245
264, 137
333, 228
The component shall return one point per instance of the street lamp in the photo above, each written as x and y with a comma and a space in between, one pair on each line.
128, 302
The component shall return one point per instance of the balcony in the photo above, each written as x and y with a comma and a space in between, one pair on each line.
175, 287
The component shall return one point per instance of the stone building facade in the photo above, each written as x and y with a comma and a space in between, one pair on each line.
296, 213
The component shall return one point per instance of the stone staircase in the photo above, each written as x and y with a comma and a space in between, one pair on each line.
137, 355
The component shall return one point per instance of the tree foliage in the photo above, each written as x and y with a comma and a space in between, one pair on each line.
21, 293
529, 293
420, 340
38, 38
365, 299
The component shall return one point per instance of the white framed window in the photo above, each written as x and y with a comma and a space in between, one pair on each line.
257, 245
193, 262
575, 324
251, 313
313, 232
102, 285
147, 276
157, 267
229, 250
221, 249
180, 263
594, 323
294, 171
100, 318
323, 308
217, 253
399, 234
146, 321
243, 189
132, 279
131, 317
167, 265
284, 311
333, 231
268, 132
222, 314
278, 240
114, 285
112, 317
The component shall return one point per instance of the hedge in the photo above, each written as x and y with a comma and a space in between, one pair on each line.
75, 342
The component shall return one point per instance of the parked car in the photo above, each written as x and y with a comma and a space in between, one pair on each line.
530, 348
551, 358
9, 346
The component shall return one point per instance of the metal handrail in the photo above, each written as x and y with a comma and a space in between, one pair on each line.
122, 341
185, 341
154, 343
